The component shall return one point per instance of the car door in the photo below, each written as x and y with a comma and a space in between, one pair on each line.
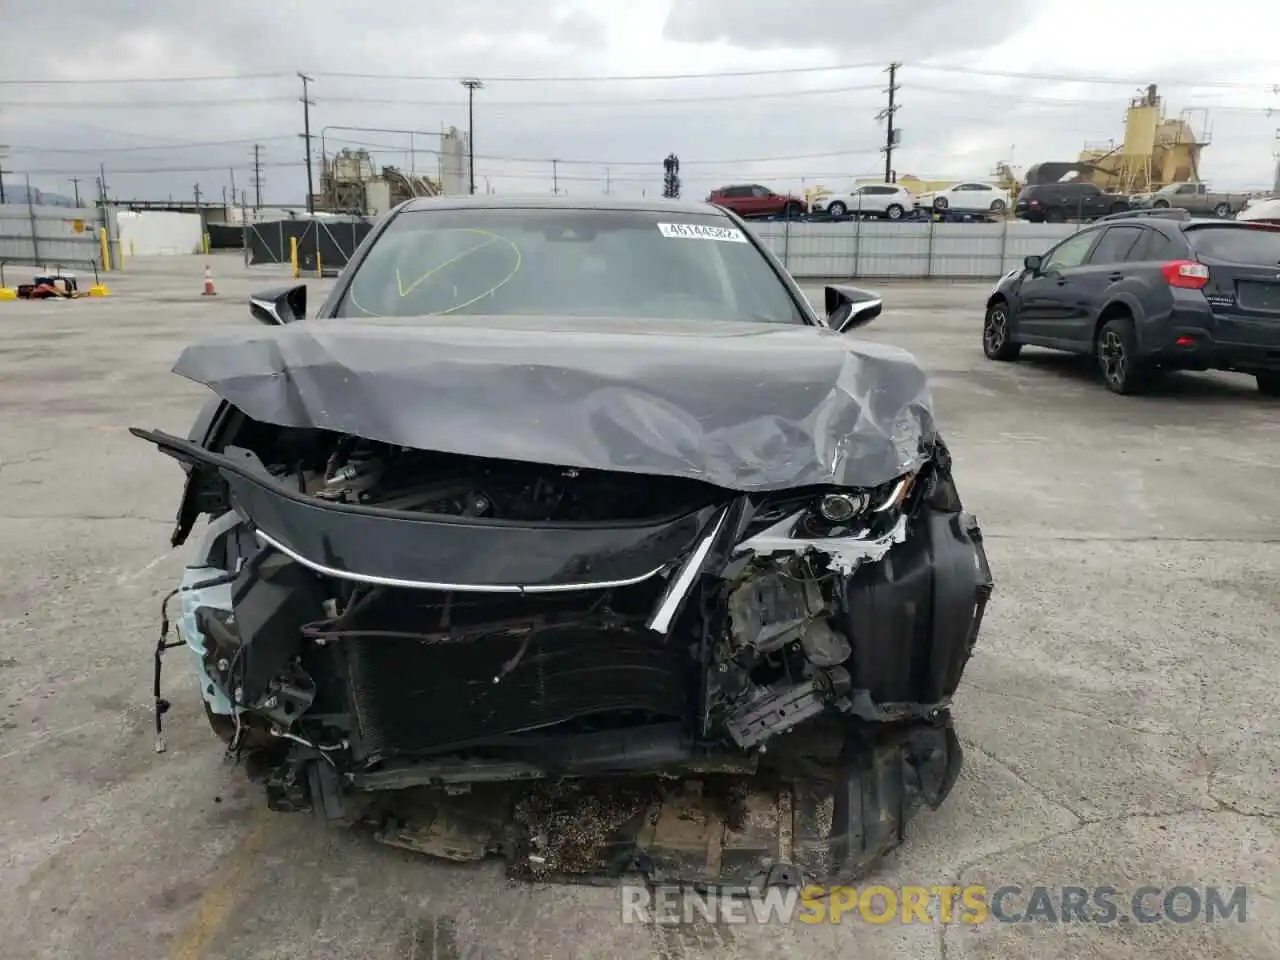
1046, 296
763, 201
1093, 202
1090, 286
869, 200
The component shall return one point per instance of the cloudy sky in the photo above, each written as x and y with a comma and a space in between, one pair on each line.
610, 87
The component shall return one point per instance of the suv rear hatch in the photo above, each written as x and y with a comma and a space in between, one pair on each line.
1244, 282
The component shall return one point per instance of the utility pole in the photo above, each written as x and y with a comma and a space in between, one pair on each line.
555, 177
197, 192
3, 148
472, 86
232, 172
102, 183
607, 184
892, 134
307, 104
257, 176
1276, 186
75, 185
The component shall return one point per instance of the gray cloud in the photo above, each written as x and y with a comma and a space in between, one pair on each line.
955, 124
879, 28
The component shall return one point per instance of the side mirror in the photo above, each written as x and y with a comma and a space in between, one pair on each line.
279, 306
850, 307
1033, 263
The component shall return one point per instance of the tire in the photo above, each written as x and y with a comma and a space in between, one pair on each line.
1116, 351
837, 209
940, 203
1118, 208
997, 206
1221, 211
895, 211
1269, 384
1054, 215
791, 211
997, 340
1160, 205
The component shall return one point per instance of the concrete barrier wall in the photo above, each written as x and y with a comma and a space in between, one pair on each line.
159, 232
907, 250
49, 235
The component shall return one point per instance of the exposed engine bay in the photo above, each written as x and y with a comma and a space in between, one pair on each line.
811, 637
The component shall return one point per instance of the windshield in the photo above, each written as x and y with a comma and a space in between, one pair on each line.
1255, 245
560, 262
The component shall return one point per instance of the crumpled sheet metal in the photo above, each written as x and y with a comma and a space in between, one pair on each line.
744, 406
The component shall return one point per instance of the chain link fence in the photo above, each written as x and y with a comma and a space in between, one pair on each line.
324, 246
907, 250
49, 236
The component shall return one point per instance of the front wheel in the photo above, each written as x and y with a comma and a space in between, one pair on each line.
997, 339
1221, 211
1161, 205
837, 209
1269, 384
791, 211
1117, 355
997, 206
940, 203
895, 211
1118, 208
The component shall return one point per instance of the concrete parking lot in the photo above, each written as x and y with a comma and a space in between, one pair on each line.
1120, 717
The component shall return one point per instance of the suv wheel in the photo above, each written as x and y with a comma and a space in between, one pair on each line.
791, 211
1161, 205
837, 209
1054, 215
997, 206
940, 203
997, 339
1269, 383
895, 211
1118, 208
1118, 357
1221, 211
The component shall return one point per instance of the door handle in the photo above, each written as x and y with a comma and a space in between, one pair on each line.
1061, 281
1115, 276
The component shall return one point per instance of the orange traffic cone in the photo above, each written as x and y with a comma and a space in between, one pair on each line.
208, 285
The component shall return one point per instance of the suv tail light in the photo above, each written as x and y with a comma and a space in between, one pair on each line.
1187, 274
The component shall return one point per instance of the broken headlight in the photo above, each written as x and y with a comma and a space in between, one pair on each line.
862, 513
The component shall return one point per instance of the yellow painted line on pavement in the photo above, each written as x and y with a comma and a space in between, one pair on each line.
220, 897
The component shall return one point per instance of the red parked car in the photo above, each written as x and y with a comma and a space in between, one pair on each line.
753, 200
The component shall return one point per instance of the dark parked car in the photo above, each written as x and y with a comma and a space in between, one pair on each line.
753, 200
1059, 202
1145, 293
552, 490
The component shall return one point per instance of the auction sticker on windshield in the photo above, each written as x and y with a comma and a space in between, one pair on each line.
700, 231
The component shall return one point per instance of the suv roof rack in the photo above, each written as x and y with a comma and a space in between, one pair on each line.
1163, 213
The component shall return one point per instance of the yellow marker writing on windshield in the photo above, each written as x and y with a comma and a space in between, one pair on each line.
405, 291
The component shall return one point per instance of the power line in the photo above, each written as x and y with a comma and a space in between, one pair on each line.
147, 149
625, 78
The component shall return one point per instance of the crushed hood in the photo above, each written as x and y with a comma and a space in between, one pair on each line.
744, 406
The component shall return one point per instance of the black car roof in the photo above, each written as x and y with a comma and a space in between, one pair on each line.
491, 202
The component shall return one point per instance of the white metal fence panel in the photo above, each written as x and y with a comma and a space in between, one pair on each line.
47, 235
907, 250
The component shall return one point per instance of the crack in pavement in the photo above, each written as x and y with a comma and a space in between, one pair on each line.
1084, 824
1135, 538
82, 516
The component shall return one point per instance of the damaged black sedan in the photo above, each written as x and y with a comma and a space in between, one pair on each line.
570, 532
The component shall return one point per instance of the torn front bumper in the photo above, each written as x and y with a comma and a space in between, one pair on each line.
825, 825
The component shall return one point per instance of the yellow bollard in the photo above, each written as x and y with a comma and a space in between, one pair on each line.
293, 256
319, 272
204, 242
104, 246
